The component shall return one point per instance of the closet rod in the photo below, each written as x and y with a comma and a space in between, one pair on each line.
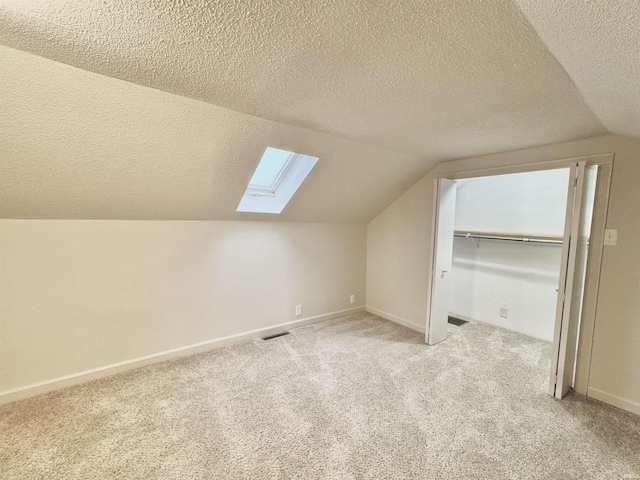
510, 237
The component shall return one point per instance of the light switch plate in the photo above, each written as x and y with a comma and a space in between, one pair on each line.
611, 236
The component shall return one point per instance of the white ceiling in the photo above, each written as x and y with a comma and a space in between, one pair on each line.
598, 43
430, 81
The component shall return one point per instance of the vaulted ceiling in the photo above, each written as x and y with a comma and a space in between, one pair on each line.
380, 91
598, 44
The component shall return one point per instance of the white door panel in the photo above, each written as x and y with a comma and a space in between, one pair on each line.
572, 278
441, 283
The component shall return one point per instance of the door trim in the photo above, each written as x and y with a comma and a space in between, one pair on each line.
599, 159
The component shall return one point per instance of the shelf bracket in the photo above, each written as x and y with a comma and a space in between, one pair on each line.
475, 241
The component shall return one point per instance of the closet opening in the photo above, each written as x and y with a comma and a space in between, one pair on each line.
520, 249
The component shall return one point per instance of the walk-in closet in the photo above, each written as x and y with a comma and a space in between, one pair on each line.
507, 250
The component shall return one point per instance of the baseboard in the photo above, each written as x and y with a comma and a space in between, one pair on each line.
393, 318
87, 375
605, 397
526, 334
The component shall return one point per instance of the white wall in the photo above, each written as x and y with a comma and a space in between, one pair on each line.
531, 202
84, 294
522, 277
398, 243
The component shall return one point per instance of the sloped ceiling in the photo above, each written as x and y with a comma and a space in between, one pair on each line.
598, 43
75, 144
380, 91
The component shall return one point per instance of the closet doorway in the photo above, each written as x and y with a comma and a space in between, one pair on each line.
533, 233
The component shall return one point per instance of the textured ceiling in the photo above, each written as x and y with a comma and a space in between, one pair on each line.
75, 144
598, 43
437, 79
350, 81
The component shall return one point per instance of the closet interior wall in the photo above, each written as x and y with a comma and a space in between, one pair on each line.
520, 276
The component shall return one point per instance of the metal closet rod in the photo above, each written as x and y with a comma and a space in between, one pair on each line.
510, 237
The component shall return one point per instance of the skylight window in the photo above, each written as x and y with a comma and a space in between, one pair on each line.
271, 169
275, 180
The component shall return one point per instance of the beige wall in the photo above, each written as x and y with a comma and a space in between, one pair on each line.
398, 246
84, 294
397, 255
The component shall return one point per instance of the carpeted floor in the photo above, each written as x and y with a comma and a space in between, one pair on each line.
351, 398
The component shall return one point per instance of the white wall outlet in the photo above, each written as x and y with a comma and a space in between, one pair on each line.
298, 310
611, 236
352, 299
504, 312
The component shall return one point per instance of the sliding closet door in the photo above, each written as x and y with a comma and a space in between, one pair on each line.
441, 283
572, 277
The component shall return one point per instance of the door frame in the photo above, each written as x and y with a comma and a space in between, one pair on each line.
594, 262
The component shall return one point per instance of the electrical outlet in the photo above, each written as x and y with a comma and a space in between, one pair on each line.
298, 310
352, 299
611, 236
504, 312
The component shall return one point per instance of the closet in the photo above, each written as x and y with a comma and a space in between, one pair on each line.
521, 248
507, 250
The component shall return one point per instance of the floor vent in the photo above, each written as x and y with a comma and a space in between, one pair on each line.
457, 321
271, 337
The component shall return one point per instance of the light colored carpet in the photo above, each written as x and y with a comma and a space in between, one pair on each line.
351, 398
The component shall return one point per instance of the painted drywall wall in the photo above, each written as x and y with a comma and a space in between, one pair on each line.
398, 243
531, 202
84, 294
396, 256
520, 276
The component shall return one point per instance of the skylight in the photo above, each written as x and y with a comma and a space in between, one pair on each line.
275, 180
271, 168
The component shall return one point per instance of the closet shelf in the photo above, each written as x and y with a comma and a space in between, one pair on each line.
511, 237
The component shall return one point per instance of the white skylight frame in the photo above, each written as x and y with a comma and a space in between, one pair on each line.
287, 176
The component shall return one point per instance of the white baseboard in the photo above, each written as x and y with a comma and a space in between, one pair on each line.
526, 334
33, 389
393, 318
605, 397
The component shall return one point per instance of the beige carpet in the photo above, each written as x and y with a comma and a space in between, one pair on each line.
352, 398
